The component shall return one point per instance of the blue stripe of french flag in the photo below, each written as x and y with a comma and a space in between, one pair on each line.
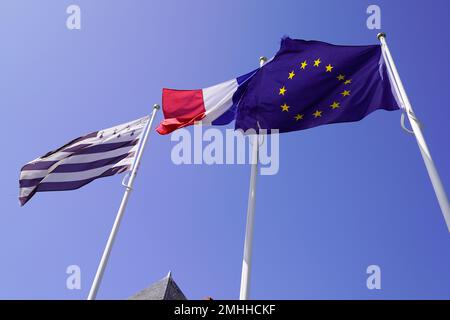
216, 105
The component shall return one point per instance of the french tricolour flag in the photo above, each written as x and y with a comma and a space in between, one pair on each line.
215, 105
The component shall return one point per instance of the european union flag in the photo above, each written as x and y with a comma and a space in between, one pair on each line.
312, 83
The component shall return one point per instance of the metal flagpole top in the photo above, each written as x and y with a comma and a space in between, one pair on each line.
262, 60
381, 35
156, 106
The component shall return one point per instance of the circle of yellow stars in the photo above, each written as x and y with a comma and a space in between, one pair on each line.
317, 63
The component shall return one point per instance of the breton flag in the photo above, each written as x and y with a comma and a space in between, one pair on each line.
95, 155
216, 105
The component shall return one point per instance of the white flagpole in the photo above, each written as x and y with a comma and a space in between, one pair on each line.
417, 130
123, 204
248, 244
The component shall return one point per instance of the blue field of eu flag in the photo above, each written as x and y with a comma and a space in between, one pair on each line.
312, 83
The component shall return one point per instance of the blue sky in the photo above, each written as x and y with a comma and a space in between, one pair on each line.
346, 196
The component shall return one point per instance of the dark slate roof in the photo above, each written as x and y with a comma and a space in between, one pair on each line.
164, 289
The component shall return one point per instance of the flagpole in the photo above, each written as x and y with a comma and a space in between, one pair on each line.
248, 244
120, 212
417, 130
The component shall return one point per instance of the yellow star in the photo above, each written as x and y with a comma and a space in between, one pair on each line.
291, 75
303, 65
340, 77
329, 68
335, 105
282, 91
348, 81
317, 114
285, 108
317, 62
298, 117
345, 93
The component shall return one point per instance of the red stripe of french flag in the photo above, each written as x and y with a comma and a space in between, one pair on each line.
182, 108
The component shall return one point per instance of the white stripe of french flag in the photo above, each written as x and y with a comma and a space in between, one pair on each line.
182, 108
